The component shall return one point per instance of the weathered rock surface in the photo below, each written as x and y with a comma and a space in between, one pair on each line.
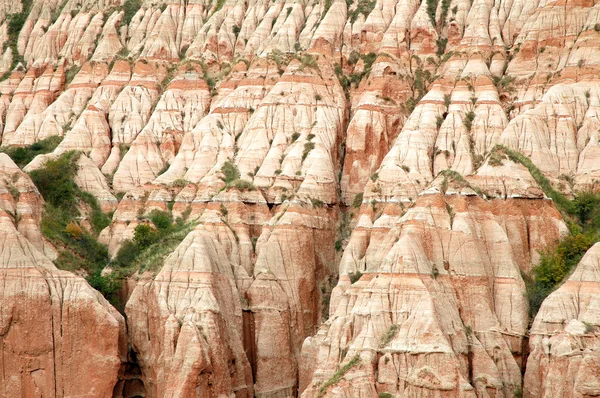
306, 141
564, 342
58, 336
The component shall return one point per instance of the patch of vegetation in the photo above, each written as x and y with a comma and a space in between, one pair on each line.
559, 199
338, 375
441, 44
151, 243
15, 24
242, 185
78, 249
388, 336
180, 183
231, 177
130, 7
355, 276
496, 158
458, 179
468, 120
317, 202
308, 146
385, 395
230, 172
431, 10
358, 199
70, 74
210, 81
23, 155
343, 230
582, 214
419, 82
307, 61
368, 60
363, 7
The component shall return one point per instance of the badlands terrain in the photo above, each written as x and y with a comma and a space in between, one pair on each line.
299, 198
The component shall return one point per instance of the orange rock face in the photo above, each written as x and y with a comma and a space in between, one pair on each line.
357, 225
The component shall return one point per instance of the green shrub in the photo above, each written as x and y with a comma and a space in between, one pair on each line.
179, 183
316, 202
161, 219
358, 199
307, 61
144, 236
363, 7
338, 375
127, 254
468, 120
150, 246
308, 146
230, 172
388, 336
130, 7
55, 181
496, 158
441, 44
355, 276
242, 185
23, 155
431, 11
109, 285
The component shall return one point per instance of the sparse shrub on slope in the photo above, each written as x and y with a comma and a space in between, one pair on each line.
78, 249
582, 214
151, 242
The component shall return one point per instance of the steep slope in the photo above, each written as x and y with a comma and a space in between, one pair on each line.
49, 315
564, 359
306, 198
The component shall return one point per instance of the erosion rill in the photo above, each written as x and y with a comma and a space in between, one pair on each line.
287, 198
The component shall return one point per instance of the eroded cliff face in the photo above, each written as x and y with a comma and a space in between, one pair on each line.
356, 226
59, 336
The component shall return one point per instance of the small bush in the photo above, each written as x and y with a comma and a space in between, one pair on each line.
144, 236
308, 146
358, 199
316, 202
338, 375
130, 7
180, 183
230, 172
126, 254
161, 219
242, 185
223, 210
468, 120
355, 276
23, 155
496, 159
388, 336
70, 74
55, 181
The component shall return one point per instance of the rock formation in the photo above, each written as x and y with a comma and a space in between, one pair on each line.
346, 180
